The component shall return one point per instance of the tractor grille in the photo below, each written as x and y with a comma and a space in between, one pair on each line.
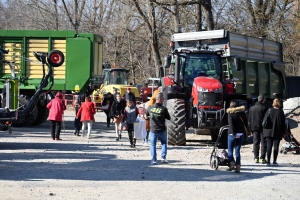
209, 99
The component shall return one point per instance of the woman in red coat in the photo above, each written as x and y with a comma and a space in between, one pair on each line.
57, 107
86, 112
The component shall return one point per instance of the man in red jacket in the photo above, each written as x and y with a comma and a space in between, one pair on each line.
57, 107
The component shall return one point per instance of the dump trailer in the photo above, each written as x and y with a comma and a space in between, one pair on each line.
210, 69
82, 66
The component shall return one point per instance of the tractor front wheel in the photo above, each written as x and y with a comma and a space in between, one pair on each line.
176, 126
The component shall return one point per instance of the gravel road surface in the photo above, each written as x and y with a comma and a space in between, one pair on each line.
33, 166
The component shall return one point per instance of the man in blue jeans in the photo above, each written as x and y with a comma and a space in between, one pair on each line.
158, 115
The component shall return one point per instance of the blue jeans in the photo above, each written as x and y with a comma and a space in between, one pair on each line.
162, 136
237, 143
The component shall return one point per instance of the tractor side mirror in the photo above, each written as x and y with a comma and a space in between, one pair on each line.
167, 61
237, 63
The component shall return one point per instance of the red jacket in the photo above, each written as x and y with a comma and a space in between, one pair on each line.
86, 111
56, 107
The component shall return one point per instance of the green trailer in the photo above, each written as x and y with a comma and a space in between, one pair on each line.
82, 65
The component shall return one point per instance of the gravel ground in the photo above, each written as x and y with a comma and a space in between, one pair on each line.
33, 166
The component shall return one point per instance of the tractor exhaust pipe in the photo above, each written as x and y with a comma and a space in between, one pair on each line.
177, 68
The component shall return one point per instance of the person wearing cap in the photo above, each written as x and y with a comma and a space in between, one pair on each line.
255, 119
129, 96
158, 115
56, 107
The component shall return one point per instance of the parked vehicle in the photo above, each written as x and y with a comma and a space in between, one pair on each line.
16, 111
210, 69
82, 67
113, 78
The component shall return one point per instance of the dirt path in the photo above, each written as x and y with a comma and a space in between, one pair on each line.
33, 166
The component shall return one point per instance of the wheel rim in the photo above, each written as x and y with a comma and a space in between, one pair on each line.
55, 58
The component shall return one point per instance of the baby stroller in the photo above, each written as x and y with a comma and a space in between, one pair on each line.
219, 157
291, 143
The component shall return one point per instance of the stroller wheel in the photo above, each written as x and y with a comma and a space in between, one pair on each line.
214, 162
211, 161
281, 151
284, 152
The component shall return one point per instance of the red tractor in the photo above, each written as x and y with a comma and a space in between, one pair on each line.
205, 77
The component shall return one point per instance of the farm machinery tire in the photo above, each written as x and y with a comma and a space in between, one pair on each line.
25, 119
42, 115
176, 126
55, 58
3, 127
43, 112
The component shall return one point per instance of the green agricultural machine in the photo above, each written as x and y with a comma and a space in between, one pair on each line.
30, 84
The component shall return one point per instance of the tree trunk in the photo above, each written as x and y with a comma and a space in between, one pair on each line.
199, 17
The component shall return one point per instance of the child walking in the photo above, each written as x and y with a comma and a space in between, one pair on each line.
131, 112
77, 125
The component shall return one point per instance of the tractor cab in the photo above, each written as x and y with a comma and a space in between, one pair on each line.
115, 76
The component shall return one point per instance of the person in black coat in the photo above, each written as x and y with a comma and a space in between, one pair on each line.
107, 101
255, 119
129, 96
274, 130
237, 129
117, 113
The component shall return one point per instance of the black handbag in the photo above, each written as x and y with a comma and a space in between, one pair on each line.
266, 121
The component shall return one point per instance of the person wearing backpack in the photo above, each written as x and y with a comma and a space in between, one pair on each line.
255, 119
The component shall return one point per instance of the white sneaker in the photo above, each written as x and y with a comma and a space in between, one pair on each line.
164, 161
153, 162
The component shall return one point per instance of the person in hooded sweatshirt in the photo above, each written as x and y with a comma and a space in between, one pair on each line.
131, 112
56, 109
237, 125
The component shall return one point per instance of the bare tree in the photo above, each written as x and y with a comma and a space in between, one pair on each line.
74, 15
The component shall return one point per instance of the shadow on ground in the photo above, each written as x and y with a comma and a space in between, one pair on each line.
97, 163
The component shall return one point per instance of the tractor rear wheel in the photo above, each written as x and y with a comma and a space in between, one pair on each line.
176, 126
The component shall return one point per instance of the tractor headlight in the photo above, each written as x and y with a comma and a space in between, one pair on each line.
200, 89
219, 90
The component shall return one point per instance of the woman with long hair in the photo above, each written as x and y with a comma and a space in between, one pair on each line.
117, 113
274, 130
237, 124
